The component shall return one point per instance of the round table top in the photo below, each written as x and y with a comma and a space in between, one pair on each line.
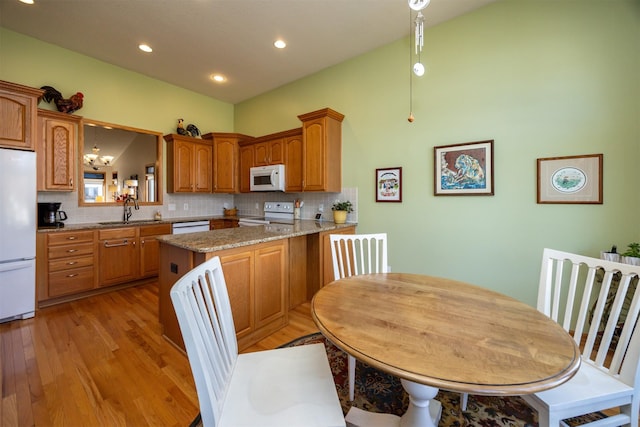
445, 333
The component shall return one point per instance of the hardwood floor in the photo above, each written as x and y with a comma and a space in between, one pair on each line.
101, 361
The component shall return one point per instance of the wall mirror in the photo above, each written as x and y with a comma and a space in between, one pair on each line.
117, 161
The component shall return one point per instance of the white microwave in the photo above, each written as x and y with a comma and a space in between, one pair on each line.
267, 178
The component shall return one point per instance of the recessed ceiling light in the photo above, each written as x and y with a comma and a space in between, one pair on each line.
145, 48
27, 1
219, 78
280, 44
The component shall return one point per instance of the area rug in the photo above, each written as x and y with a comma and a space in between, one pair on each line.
377, 391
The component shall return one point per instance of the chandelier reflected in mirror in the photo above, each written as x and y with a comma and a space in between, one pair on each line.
95, 160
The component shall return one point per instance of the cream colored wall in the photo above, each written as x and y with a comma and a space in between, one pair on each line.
542, 79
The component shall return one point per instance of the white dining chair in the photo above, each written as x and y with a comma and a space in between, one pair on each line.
283, 387
597, 302
355, 254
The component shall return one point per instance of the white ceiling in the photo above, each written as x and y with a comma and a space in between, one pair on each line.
194, 38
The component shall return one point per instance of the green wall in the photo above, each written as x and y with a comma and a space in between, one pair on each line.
111, 94
540, 78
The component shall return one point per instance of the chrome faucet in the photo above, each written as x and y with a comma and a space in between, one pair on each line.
127, 209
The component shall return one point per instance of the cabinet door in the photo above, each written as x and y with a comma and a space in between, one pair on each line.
18, 119
56, 154
226, 161
270, 283
149, 256
183, 167
314, 156
276, 152
238, 273
261, 154
203, 165
246, 163
293, 163
118, 252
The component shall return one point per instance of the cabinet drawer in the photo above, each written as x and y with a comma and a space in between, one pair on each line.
70, 237
70, 263
155, 230
70, 251
70, 281
117, 233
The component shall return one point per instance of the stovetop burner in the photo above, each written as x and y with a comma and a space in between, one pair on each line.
274, 212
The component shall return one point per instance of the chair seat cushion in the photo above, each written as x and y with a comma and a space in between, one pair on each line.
587, 388
283, 387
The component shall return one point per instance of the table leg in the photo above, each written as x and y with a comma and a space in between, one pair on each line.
423, 411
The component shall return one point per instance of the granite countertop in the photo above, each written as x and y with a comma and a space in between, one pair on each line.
132, 223
228, 238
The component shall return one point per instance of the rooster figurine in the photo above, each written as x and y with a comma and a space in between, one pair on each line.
180, 129
68, 106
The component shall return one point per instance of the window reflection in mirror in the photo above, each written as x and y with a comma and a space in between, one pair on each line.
112, 156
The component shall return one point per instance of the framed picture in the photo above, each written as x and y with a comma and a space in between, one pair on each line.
464, 169
571, 179
389, 185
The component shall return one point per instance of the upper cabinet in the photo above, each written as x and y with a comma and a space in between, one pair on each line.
322, 150
269, 152
189, 164
56, 147
18, 112
226, 160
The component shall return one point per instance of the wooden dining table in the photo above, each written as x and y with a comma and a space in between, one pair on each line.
436, 333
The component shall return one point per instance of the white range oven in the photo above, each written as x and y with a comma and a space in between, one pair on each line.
274, 213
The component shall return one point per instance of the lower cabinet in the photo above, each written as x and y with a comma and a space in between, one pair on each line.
150, 248
65, 264
257, 278
70, 264
118, 256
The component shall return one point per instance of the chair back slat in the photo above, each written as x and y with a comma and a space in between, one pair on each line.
356, 254
202, 306
606, 297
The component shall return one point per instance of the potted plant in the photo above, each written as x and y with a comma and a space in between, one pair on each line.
632, 254
340, 211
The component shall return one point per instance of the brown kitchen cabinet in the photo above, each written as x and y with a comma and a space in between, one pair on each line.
226, 160
293, 163
65, 263
217, 224
322, 150
150, 248
189, 164
257, 278
119, 256
246, 163
57, 140
18, 116
270, 152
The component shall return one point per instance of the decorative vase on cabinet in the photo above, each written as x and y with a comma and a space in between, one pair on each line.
339, 217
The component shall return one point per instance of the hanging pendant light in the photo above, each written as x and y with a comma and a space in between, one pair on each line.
418, 34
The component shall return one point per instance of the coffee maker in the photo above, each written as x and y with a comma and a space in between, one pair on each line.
50, 215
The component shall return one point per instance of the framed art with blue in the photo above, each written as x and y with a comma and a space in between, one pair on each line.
464, 169
389, 185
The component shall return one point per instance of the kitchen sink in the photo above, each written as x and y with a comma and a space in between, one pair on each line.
134, 221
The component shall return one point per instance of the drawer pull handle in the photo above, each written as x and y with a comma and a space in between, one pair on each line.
72, 250
72, 262
115, 245
71, 238
72, 275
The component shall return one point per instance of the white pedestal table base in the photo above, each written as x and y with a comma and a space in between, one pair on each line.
423, 411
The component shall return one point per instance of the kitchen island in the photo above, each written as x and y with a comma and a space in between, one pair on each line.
268, 269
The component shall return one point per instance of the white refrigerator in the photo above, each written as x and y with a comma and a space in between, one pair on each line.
18, 201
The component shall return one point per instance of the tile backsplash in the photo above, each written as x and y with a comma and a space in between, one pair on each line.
198, 205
